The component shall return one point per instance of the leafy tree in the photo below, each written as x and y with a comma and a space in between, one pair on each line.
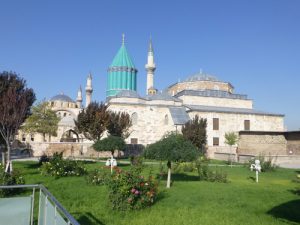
110, 143
173, 148
15, 102
231, 139
93, 121
119, 124
43, 120
195, 131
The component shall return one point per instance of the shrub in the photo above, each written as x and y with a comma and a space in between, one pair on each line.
129, 190
44, 158
266, 164
98, 176
184, 167
14, 178
206, 174
59, 167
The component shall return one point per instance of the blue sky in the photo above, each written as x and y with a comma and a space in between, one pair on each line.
255, 45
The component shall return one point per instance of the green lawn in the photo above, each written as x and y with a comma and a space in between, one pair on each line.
189, 201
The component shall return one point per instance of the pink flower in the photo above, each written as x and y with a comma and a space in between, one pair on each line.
136, 192
133, 190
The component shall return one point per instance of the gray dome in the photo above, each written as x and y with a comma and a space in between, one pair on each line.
128, 94
201, 77
61, 97
162, 96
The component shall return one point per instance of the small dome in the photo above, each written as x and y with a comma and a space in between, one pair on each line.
128, 94
201, 77
61, 97
67, 121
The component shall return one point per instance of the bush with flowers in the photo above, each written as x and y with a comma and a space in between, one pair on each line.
13, 178
59, 167
98, 176
129, 190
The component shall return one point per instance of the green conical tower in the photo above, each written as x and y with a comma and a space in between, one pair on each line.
122, 74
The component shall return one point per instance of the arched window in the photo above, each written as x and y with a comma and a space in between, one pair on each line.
166, 120
134, 118
65, 114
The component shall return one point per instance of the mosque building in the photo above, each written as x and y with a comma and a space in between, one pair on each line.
160, 112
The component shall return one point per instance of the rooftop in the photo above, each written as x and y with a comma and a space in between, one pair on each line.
203, 108
211, 93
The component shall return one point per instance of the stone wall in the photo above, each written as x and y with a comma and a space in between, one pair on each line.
214, 101
200, 85
265, 143
234, 122
293, 142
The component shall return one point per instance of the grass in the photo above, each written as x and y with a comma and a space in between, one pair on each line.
272, 201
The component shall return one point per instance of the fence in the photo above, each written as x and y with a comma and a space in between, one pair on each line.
20, 210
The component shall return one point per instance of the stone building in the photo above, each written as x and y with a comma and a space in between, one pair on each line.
159, 112
201, 94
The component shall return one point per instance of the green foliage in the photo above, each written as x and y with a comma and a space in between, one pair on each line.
266, 163
43, 159
129, 190
13, 178
119, 124
184, 167
98, 176
173, 147
206, 174
43, 120
59, 167
195, 131
110, 143
231, 138
92, 121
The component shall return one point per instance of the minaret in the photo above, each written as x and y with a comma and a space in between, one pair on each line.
79, 97
150, 68
88, 90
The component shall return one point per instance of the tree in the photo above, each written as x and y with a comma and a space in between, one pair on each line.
195, 131
110, 143
231, 139
43, 120
93, 121
173, 148
119, 124
15, 102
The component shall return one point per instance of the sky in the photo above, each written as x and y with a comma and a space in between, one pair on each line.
253, 44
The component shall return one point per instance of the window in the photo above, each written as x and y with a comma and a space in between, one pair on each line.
215, 123
246, 124
23, 137
32, 137
65, 114
166, 121
134, 118
215, 141
134, 141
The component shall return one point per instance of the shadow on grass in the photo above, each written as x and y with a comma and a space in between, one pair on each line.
295, 191
88, 219
252, 178
180, 177
34, 165
288, 211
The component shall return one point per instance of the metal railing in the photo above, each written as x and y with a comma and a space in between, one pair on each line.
48, 201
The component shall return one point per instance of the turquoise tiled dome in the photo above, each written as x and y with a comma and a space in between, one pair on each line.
122, 74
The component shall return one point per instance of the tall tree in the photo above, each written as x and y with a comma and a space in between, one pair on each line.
172, 148
43, 120
15, 102
195, 131
119, 124
231, 139
92, 121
